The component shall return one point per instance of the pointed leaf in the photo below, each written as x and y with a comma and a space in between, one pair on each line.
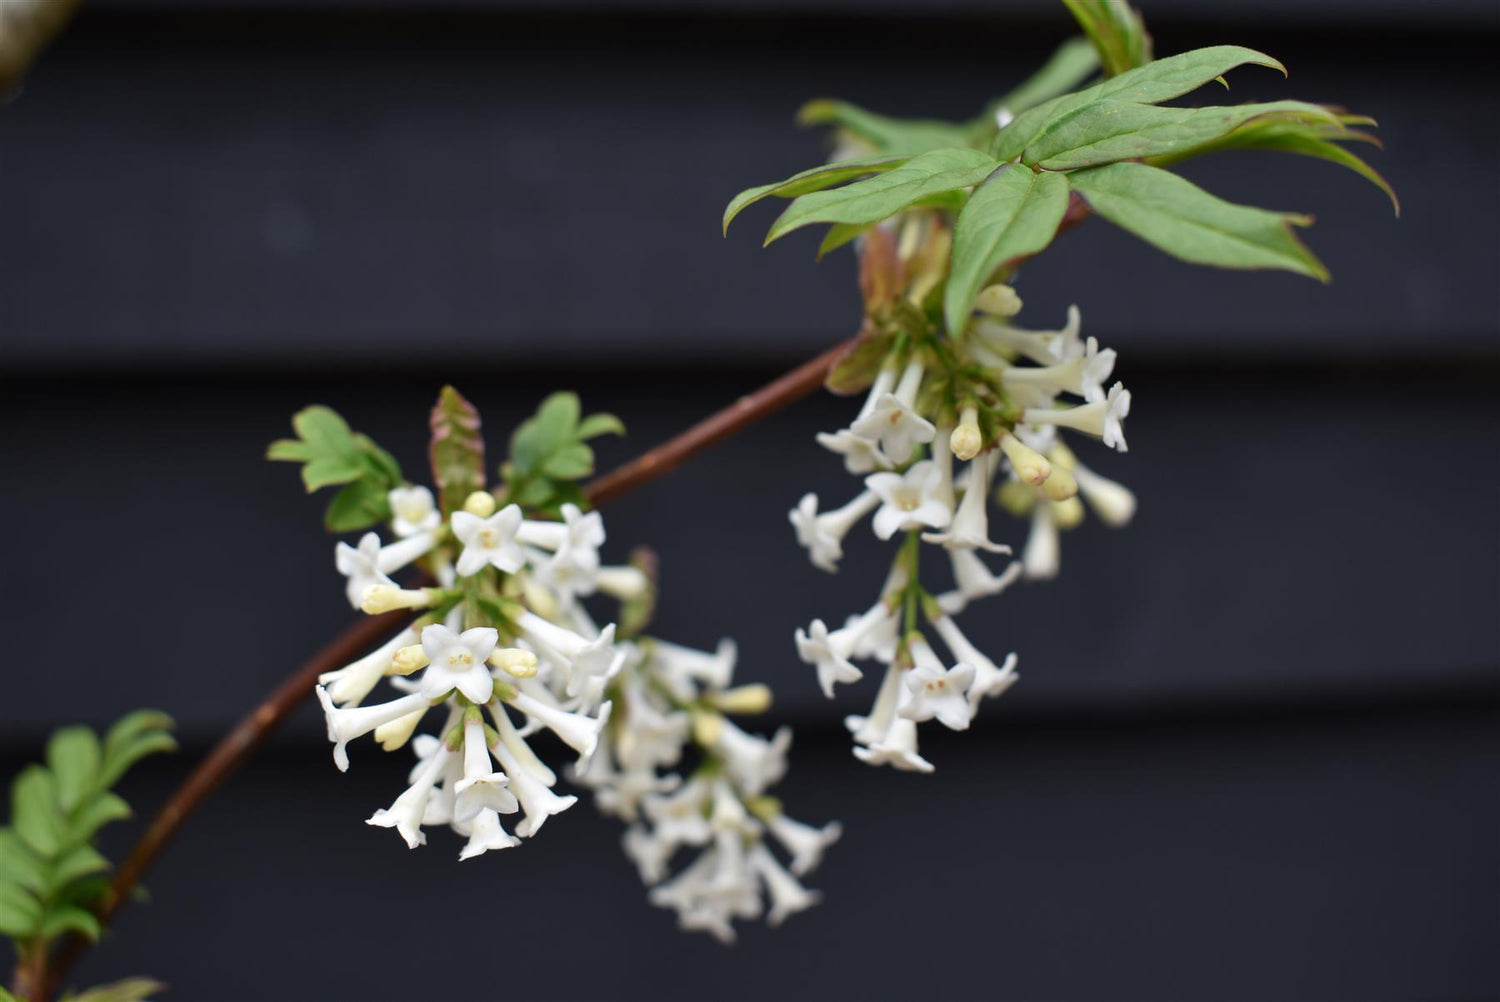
457, 449
19, 863
1116, 31
73, 756
79, 862
69, 919
1107, 131
894, 136
1014, 214
34, 813
96, 814
872, 200
814, 179
128, 990
132, 726
1187, 222
1153, 83
128, 753
1073, 62
554, 426
599, 424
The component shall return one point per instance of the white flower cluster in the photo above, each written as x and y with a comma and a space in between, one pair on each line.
502, 648
926, 408
666, 698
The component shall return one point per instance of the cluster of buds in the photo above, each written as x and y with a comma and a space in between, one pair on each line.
500, 647
667, 698
990, 397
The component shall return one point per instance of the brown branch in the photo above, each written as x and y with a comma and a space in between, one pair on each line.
250, 733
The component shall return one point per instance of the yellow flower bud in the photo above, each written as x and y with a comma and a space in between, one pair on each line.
1061, 485
514, 661
407, 660
481, 503
743, 699
1030, 465
967, 439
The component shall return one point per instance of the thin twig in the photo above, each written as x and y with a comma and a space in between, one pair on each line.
251, 732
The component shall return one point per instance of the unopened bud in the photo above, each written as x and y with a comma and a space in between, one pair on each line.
967, 439
1016, 498
481, 503
742, 699
1061, 485
998, 301
1030, 465
708, 727
394, 735
514, 661
1067, 514
388, 598
407, 660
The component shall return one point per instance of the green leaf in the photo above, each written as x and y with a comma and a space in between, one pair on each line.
1116, 30
876, 198
858, 366
6, 996
326, 471
128, 753
840, 234
572, 461
132, 726
80, 862
19, 863
69, 919
96, 814
895, 136
1311, 139
1153, 83
1014, 214
358, 506
554, 425
20, 913
34, 810
599, 424
73, 755
1187, 222
1073, 62
813, 179
457, 449
128, 990
1108, 131
381, 464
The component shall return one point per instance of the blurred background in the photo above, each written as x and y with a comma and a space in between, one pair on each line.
1254, 751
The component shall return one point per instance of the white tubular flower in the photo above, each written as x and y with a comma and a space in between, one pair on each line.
871, 730
622, 582
896, 748
754, 762
482, 788
408, 813
518, 748
583, 659
989, 679
805, 843
974, 581
356, 680
894, 422
829, 652
361, 565
1083, 376
680, 818
537, 799
486, 834
344, 725
680, 666
648, 852
787, 895
457, 661
579, 732
910, 500
413, 510
1042, 347
1042, 556
823, 535
935, 691
861, 454
1102, 419
1113, 503
970, 528
489, 541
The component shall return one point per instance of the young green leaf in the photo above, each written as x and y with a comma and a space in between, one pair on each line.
813, 179
1309, 139
19, 863
332, 454
1108, 131
876, 198
1073, 63
98, 812
554, 426
70, 919
127, 753
1153, 83
357, 506
79, 862
73, 755
129, 990
34, 813
20, 913
1187, 222
1116, 30
897, 136
1014, 214
599, 424
457, 449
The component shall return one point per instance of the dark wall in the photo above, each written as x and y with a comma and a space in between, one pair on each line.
1254, 751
